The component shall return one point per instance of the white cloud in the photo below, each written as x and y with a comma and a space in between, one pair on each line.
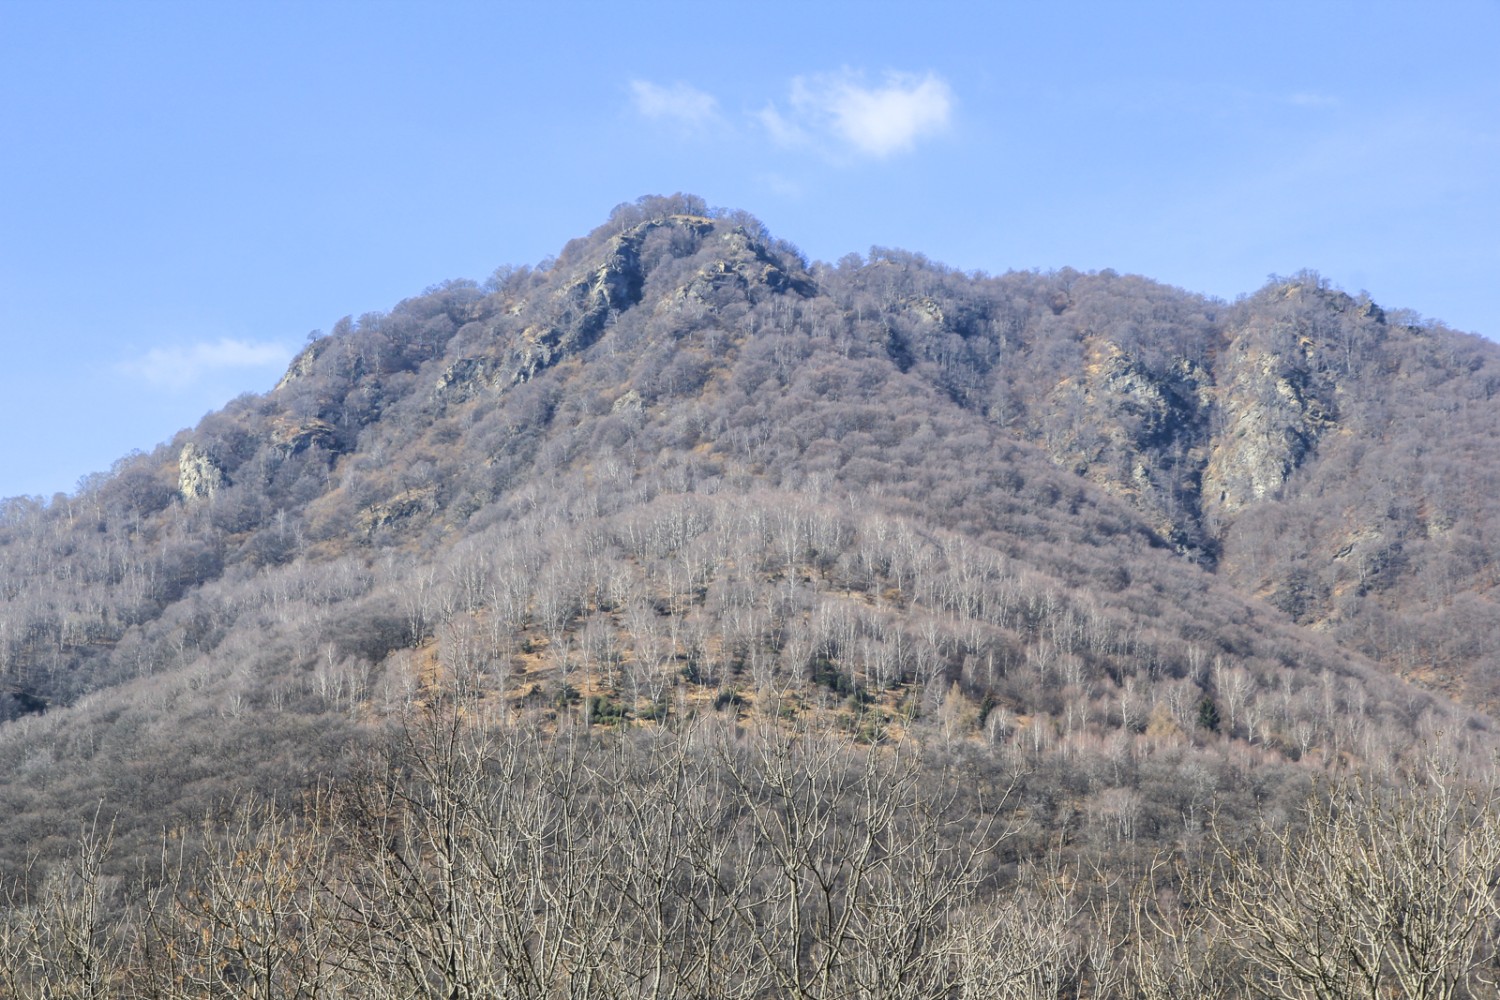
783, 132
875, 121
678, 103
179, 367
832, 113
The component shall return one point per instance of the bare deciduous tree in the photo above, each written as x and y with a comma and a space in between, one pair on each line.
1388, 891
62, 942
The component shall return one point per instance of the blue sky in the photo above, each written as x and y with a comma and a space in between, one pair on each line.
188, 189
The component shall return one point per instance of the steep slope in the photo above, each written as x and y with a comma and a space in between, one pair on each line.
1314, 451
679, 470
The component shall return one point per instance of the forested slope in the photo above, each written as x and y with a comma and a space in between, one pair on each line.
1137, 555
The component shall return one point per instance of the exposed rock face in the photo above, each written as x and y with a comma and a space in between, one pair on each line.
1274, 408
722, 265
631, 402
292, 436
582, 307
1196, 442
302, 364
1142, 434
1160, 419
465, 379
399, 508
742, 263
199, 477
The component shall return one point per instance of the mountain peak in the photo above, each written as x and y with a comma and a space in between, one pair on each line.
1077, 521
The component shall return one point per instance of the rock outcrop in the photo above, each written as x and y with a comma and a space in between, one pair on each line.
1157, 428
1140, 432
581, 309
466, 378
741, 262
1274, 406
199, 477
291, 436
302, 365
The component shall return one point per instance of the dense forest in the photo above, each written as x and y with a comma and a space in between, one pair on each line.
679, 617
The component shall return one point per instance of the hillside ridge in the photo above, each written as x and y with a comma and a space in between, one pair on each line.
1083, 521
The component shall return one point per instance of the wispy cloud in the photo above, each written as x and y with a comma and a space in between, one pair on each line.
875, 121
836, 114
678, 103
179, 367
782, 130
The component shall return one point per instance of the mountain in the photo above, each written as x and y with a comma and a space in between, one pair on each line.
1162, 550
688, 563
